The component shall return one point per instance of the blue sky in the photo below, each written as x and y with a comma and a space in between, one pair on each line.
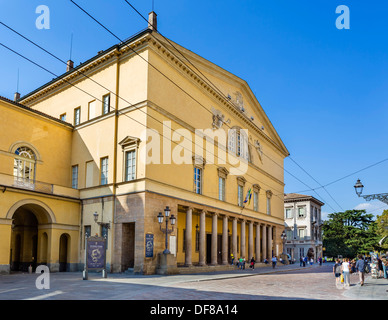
325, 90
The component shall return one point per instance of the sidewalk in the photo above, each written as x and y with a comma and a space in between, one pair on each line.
373, 289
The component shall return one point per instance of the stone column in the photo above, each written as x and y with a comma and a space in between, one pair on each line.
243, 245
264, 243
250, 240
258, 249
225, 240
270, 241
202, 238
234, 238
214, 240
189, 236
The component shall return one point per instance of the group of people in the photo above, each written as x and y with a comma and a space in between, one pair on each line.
303, 261
242, 262
343, 269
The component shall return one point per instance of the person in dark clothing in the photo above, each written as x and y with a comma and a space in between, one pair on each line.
360, 267
253, 263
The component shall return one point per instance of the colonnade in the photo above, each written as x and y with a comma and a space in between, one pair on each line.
261, 249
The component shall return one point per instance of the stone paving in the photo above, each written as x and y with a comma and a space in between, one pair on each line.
283, 283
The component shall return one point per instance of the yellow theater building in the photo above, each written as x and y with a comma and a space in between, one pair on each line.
108, 145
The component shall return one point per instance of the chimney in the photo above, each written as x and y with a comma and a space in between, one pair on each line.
70, 65
152, 22
16, 96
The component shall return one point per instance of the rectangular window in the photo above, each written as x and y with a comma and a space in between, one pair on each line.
301, 234
74, 177
198, 180
269, 206
301, 212
221, 189
290, 234
105, 104
77, 116
240, 196
288, 213
255, 201
104, 171
63, 117
91, 110
130, 165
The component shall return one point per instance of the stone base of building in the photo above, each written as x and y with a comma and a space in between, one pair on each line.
5, 269
167, 264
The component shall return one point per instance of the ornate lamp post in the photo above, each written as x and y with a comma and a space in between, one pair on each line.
383, 197
283, 236
166, 230
358, 187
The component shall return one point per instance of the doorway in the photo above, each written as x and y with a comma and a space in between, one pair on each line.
128, 246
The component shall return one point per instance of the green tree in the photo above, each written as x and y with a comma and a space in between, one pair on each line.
350, 233
382, 229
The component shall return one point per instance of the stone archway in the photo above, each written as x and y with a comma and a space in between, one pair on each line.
29, 245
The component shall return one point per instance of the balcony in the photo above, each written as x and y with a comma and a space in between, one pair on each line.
7, 180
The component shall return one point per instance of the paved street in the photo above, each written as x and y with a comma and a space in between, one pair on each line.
285, 283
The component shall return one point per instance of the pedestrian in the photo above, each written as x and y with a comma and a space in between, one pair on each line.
232, 258
360, 267
253, 263
240, 263
266, 261
244, 261
380, 267
304, 261
337, 272
300, 261
311, 261
384, 262
274, 260
346, 272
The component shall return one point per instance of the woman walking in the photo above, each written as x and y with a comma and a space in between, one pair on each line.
337, 272
346, 272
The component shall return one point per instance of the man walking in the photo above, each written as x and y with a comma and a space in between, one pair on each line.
360, 266
274, 260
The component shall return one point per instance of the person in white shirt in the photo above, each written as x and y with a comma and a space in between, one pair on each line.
346, 272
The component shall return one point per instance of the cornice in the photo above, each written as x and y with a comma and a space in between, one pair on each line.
122, 50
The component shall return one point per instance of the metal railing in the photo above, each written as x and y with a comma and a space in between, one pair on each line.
27, 184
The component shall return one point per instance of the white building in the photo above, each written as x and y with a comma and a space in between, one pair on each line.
303, 225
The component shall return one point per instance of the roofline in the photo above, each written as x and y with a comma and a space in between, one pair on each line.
304, 198
19, 105
100, 54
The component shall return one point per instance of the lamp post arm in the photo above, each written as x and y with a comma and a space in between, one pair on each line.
383, 197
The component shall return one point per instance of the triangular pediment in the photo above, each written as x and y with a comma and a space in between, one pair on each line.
128, 140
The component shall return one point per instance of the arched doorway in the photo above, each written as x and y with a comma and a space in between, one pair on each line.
27, 246
64, 243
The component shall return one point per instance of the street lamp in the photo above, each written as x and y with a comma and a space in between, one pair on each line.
283, 236
166, 230
358, 187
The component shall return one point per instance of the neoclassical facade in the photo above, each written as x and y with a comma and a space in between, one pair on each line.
141, 129
303, 225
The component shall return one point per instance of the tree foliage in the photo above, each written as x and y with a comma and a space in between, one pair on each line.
350, 233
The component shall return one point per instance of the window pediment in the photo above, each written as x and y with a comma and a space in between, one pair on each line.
129, 141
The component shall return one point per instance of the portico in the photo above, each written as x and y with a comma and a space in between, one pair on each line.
228, 233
